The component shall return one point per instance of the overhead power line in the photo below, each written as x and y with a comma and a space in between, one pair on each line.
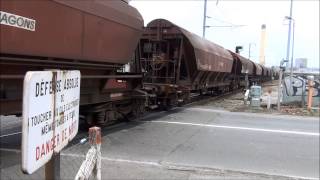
232, 26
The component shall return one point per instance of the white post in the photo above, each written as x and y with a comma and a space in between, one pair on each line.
98, 163
269, 98
92, 163
95, 141
246, 96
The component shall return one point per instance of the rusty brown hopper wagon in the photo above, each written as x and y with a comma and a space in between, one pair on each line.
96, 37
177, 62
257, 69
242, 67
257, 72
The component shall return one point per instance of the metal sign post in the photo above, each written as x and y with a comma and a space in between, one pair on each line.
279, 89
50, 118
303, 93
52, 168
247, 80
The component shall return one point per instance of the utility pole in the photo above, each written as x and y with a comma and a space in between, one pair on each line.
279, 90
204, 19
281, 68
288, 43
292, 47
289, 34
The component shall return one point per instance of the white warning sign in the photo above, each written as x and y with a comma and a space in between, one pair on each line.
50, 115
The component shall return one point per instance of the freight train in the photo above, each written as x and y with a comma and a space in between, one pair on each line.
95, 37
99, 38
177, 62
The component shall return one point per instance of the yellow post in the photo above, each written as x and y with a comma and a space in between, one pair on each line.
310, 92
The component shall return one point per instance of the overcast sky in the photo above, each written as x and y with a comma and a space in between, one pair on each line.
189, 15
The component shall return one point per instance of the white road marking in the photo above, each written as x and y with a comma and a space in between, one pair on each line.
239, 128
178, 166
116, 159
168, 165
10, 150
283, 116
11, 134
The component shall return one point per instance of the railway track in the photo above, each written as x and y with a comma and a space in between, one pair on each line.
200, 99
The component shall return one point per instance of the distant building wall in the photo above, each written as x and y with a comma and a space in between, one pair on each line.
301, 62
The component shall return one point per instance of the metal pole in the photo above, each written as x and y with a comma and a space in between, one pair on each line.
247, 80
204, 19
303, 93
288, 43
291, 67
52, 168
279, 89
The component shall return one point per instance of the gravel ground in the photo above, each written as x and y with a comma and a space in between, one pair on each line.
235, 103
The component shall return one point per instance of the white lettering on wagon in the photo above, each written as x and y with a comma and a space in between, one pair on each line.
17, 21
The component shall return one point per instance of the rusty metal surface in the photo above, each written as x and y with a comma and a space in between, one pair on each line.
257, 69
267, 71
116, 11
207, 55
25, 60
270, 71
264, 70
92, 82
100, 31
246, 64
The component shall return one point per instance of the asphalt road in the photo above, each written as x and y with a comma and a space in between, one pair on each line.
191, 143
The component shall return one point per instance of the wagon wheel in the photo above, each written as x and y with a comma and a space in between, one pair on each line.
139, 108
